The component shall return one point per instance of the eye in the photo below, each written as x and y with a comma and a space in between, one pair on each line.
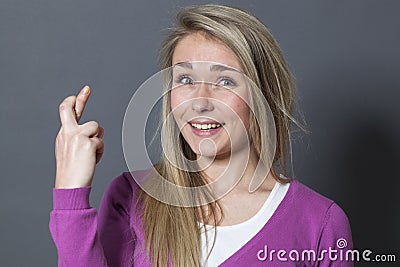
184, 79
227, 82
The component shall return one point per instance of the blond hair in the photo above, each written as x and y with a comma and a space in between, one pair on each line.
172, 231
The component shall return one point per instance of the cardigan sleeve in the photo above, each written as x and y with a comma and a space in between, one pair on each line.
85, 237
335, 239
73, 227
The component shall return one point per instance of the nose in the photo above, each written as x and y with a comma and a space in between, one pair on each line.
202, 101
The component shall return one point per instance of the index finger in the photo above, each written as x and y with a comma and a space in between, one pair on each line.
67, 113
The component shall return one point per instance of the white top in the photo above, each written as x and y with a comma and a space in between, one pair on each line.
231, 238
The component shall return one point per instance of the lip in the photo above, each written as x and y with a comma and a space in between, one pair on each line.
206, 122
205, 133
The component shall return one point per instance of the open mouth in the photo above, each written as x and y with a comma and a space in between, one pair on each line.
205, 126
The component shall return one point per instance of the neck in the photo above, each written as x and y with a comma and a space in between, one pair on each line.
234, 172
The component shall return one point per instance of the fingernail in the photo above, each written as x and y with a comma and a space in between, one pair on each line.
85, 90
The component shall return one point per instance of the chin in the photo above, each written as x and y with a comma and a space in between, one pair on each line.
211, 152
206, 150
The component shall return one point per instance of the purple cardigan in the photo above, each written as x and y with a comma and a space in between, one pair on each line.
303, 221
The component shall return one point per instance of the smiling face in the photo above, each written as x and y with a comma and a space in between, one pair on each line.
209, 95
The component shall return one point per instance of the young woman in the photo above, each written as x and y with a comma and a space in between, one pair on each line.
224, 65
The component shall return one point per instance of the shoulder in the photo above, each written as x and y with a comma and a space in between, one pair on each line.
126, 185
311, 209
305, 196
134, 178
319, 213
312, 202
119, 200
122, 192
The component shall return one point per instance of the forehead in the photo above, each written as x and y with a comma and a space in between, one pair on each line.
198, 47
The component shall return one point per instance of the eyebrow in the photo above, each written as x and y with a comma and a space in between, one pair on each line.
216, 67
185, 64
221, 68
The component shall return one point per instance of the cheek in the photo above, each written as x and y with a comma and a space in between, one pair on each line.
241, 109
244, 113
174, 100
178, 99
178, 105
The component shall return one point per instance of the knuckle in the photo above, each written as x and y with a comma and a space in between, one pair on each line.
58, 139
61, 105
95, 124
80, 139
80, 97
59, 135
71, 98
67, 100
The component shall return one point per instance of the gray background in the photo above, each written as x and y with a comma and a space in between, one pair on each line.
344, 55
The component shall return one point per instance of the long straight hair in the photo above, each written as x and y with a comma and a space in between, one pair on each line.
172, 233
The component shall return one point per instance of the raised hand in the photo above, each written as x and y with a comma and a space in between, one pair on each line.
78, 148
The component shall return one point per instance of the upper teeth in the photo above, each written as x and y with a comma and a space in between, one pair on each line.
205, 126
